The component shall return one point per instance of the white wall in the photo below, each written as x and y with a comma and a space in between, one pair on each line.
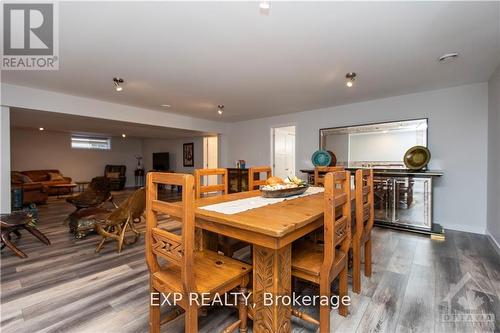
457, 139
174, 147
493, 227
35, 150
4, 160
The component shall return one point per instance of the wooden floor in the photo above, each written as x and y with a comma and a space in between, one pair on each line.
66, 287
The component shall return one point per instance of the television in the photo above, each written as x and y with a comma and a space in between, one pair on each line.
161, 162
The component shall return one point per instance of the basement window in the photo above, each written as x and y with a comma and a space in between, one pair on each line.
89, 142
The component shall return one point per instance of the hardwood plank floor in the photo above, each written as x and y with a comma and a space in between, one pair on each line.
67, 287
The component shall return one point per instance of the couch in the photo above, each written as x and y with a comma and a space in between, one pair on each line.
116, 176
43, 177
32, 192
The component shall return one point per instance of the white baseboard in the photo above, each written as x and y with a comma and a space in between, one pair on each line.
469, 228
493, 241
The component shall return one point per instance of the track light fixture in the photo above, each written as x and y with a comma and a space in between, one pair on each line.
350, 79
117, 82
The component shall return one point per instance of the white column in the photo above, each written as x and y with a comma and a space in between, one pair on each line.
5, 160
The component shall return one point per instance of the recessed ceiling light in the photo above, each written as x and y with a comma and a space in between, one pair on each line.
166, 105
124, 135
42, 129
350, 79
220, 109
448, 57
117, 82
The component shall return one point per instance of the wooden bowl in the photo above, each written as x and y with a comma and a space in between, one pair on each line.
287, 192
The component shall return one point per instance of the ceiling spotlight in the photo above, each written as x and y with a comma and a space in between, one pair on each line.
166, 105
124, 135
117, 82
220, 109
350, 79
449, 57
264, 5
41, 129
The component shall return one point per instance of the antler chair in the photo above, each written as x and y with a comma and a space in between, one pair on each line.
189, 268
94, 195
253, 171
361, 238
115, 224
321, 264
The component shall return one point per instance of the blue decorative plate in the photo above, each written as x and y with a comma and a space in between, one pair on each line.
321, 158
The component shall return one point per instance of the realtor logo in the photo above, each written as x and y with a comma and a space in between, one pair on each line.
30, 36
467, 302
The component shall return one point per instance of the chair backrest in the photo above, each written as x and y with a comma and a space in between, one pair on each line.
319, 173
256, 171
337, 216
364, 202
176, 250
132, 207
200, 182
115, 168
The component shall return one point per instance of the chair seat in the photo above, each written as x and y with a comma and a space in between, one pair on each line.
211, 272
307, 258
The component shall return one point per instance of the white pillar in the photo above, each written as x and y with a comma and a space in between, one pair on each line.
5, 160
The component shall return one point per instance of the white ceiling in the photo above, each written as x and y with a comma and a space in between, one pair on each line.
195, 55
51, 121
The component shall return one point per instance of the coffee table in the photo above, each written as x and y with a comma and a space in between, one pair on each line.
58, 187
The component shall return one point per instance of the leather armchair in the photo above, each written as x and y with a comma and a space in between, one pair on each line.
116, 183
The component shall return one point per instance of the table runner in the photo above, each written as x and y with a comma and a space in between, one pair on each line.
241, 205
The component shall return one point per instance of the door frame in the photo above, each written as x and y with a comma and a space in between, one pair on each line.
272, 130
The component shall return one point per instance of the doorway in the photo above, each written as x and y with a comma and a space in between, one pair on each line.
283, 151
211, 156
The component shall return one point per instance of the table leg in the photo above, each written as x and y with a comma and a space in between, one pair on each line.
271, 275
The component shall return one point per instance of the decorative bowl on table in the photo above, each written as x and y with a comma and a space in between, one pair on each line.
278, 188
417, 157
283, 193
321, 158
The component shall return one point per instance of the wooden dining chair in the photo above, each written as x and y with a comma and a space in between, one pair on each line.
224, 244
189, 268
361, 234
201, 182
255, 172
319, 173
322, 263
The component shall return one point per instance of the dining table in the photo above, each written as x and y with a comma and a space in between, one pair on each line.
270, 230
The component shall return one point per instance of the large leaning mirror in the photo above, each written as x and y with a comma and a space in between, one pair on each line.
380, 145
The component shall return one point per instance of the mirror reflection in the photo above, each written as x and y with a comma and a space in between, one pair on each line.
381, 145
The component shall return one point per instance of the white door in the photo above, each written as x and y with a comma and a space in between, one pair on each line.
210, 156
284, 151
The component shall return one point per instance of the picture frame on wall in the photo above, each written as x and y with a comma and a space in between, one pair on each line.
188, 154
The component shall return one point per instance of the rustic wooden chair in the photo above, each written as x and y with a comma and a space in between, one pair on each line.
322, 263
189, 268
224, 244
114, 225
319, 174
253, 172
201, 188
361, 235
